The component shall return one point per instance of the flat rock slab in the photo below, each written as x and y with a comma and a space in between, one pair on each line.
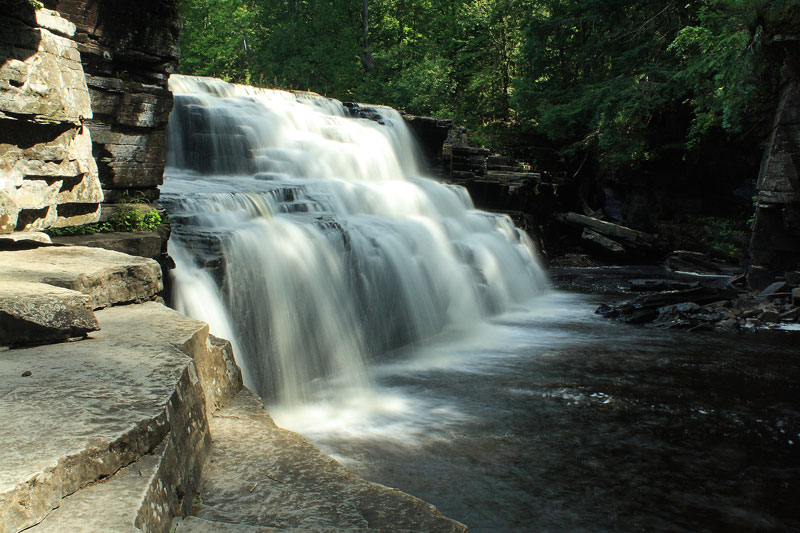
260, 475
73, 413
35, 236
107, 277
36, 313
140, 243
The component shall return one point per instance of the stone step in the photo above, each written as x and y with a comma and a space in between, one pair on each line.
107, 277
78, 412
513, 176
501, 168
140, 243
260, 475
114, 504
37, 313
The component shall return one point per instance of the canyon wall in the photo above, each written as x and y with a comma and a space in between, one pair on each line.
48, 177
84, 106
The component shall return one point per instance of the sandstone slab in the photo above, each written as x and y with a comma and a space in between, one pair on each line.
84, 410
19, 236
260, 475
111, 505
140, 243
107, 277
36, 313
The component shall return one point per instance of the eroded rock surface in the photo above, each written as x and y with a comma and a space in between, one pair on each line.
48, 175
74, 413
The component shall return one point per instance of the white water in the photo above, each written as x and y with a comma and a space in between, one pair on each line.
311, 240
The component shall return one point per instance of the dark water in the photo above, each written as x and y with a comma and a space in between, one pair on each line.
554, 419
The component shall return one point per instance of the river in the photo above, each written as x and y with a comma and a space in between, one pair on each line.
554, 419
413, 337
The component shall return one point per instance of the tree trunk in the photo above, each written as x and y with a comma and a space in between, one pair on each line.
366, 55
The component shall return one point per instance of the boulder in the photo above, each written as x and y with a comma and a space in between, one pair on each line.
36, 313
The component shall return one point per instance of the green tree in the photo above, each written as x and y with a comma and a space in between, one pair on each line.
218, 38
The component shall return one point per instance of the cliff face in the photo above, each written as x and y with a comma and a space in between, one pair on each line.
775, 245
83, 107
128, 50
48, 177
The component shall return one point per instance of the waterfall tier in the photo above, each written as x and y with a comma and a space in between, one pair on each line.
312, 241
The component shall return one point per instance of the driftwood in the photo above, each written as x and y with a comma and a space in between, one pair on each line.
613, 238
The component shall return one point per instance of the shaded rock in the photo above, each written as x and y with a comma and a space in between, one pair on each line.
769, 316
728, 324
143, 243
647, 308
796, 296
791, 315
36, 313
107, 277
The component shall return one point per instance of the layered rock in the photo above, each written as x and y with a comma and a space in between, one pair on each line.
775, 244
128, 50
48, 177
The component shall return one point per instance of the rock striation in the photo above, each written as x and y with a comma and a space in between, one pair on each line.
775, 243
48, 177
106, 277
128, 50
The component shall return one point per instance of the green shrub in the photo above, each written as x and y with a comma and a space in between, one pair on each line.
128, 217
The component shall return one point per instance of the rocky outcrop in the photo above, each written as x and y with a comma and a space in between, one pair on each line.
48, 177
106, 277
79, 412
128, 50
775, 244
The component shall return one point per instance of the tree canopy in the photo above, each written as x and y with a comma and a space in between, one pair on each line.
629, 81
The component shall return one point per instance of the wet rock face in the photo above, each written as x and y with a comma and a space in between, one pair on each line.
128, 49
48, 177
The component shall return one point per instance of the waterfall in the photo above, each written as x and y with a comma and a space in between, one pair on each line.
311, 240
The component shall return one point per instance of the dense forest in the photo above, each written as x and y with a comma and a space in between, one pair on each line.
681, 93
587, 74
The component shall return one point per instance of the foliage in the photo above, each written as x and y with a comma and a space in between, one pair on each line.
128, 217
629, 82
86, 229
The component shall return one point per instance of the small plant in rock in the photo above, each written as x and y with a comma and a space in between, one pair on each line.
130, 217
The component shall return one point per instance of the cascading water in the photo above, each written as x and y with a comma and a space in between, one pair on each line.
311, 240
